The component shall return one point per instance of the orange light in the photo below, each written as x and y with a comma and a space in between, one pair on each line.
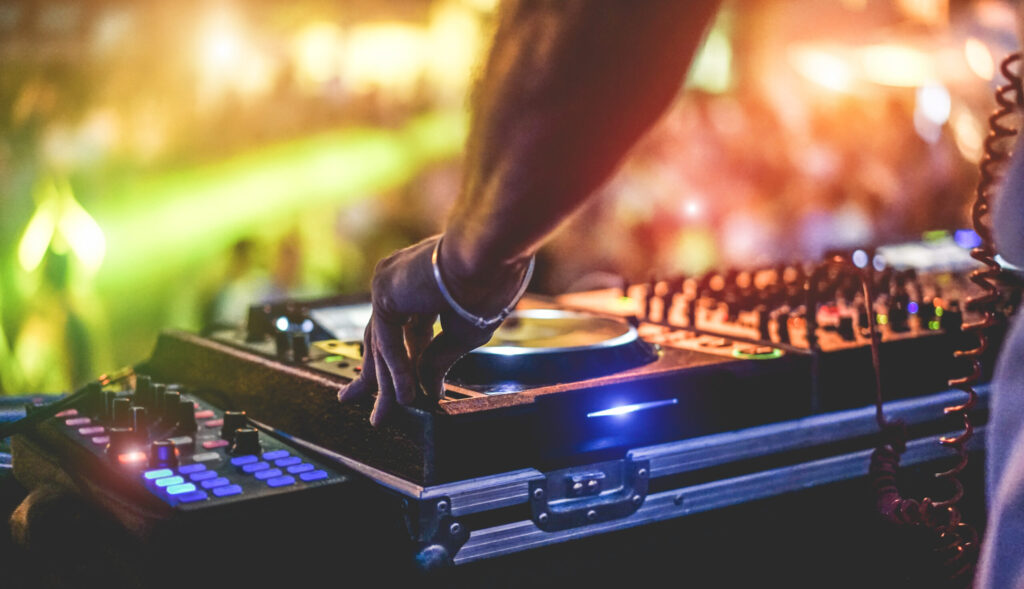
131, 457
979, 59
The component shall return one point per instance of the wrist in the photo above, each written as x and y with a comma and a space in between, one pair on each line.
483, 285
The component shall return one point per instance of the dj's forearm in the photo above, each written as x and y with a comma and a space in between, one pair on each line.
569, 87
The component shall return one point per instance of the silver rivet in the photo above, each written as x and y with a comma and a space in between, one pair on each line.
637, 499
538, 493
442, 505
542, 518
678, 499
591, 483
642, 472
591, 515
455, 528
577, 486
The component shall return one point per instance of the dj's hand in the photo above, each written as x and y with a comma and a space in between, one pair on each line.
401, 353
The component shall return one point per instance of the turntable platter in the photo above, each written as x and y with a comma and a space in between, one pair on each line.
545, 346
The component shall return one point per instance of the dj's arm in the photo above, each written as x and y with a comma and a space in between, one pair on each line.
568, 88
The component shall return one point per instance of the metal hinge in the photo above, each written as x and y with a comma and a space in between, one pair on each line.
584, 495
437, 534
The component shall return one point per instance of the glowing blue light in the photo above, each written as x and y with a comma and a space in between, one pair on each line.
632, 408
157, 474
169, 481
281, 323
912, 307
307, 326
179, 489
860, 258
967, 238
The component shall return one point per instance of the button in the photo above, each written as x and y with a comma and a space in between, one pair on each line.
255, 467
227, 491
101, 440
268, 473
283, 462
305, 467
191, 468
214, 483
214, 423
206, 414
192, 497
206, 456
180, 440
240, 460
316, 475
158, 473
281, 481
181, 489
91, 430
275, 454
211, 444
67, 413
202, 476
77, 421
169, 481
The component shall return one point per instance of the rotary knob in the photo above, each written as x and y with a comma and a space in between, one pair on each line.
247, 441
121, 412
163, 454
185, 417
233, 420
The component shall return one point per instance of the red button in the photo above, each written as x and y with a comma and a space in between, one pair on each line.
211, 444
67, 413
214, 423
207, 414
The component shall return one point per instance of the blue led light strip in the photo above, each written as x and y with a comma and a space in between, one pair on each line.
633, 408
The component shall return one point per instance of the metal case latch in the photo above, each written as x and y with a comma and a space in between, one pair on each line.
584, 495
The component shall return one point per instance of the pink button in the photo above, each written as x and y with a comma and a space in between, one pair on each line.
214, 423
67, 413
77, 421
211, 444
101, 440
92, 430
207, 414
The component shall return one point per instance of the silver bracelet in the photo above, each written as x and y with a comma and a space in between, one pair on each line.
480, 322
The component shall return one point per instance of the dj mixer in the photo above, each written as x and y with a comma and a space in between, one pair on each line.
586, 413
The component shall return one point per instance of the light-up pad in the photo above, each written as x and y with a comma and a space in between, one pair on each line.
158, 474
179, 489
168, 481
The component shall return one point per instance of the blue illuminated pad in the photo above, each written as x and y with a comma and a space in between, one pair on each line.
214, 483
255, 466
281, 481
168, 481
157, 474
275, 454
316, 475
240, 460
204, 475
288, 461
190, 468
181, 489
300, 468
227, 491
191, 497
267, 474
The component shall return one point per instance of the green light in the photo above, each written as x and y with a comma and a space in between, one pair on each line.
37, 237
334, 359
938, 311
59, 212
775, 353
934, 325
882, 319
935, 235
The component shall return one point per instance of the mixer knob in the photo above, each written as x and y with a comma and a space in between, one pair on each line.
143, 390
163, 454
782, 327
233, 420
247, 441
762, 323
156, 398
898, 311
691, 312
106, 411
121, 412
845, 328
300, 346
125, 446
186, 418
140, 421
952, 318
283, 345
169, 406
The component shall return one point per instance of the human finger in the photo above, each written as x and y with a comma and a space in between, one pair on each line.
419, 330
390, 343
443, 351
366, 382
386, 393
